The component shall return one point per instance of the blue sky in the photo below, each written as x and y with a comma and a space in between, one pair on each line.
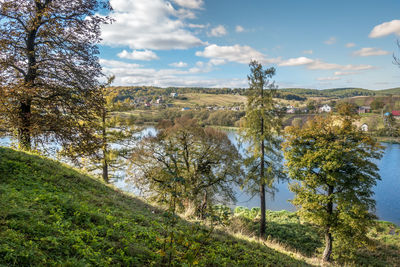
209, 43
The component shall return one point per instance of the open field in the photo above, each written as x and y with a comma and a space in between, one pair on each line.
209, 100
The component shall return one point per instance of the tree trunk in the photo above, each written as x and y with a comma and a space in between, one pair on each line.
24, 131
105, 152
328, 236
262, 220
262, 183
328, 246
105, 170
262, 189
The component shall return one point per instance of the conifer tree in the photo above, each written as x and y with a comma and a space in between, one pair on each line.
260, 129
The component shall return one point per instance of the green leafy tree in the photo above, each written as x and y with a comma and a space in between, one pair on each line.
49, 68
111, 143
377, 104
203, 160
260, 129
333, 162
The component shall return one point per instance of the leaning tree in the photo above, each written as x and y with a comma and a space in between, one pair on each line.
49, 68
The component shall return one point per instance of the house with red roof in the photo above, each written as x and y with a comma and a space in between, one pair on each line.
396, 114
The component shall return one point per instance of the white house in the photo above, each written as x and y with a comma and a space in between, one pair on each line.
291, 111
325, 108
364, 127
174, 95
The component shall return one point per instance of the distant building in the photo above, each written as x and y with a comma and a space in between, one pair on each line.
364, 109
184, 109
174, 95
396, 113
325, 108
147, 105
159, 101
364, 127
291, 111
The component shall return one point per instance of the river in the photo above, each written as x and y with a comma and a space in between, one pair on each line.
387, 190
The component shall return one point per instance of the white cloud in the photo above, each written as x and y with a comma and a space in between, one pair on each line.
385, 28
328, 78
344, 73
296, 61
239, 28
118, 64
134, 74
330, 41
217, 61
197, 26
350, 45
320, 65
370, 51
145, 55
144, 24
193, 4
179, 64
218, 31
235, 53
316, 64
309, 52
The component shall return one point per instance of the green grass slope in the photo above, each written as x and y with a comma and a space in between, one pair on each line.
51, 215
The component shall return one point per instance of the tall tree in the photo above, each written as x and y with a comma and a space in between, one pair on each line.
333, 162
260, 129
200, 164
49, 68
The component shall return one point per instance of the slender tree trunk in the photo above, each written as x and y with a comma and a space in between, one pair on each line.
328, 236
105, 152
24, 131
262, 183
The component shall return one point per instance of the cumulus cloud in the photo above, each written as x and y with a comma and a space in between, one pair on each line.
239, 28
179, 64
145, 55
296, 61
349, 45
330, 41
218, 31
134, 74
309, 52
370, 51
155, 25
385, 28
193, 4
235, 53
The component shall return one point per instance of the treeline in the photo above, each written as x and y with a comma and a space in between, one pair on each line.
227, 118
335, 92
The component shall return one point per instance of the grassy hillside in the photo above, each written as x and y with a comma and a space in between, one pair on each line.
51, 214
